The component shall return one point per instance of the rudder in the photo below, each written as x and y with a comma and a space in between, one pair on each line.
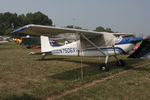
45, 44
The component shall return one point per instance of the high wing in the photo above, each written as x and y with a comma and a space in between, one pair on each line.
89, 38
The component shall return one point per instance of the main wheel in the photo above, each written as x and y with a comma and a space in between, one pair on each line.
120, 63
104, 68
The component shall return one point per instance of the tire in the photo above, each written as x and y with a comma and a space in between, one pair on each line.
120, 63
104, 68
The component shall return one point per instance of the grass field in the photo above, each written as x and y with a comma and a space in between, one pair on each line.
26, 77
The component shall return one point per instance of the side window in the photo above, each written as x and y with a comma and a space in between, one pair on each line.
118, 39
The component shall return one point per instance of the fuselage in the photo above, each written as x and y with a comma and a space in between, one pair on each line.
122, 46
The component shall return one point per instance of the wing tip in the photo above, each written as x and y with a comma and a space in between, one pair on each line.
22, 28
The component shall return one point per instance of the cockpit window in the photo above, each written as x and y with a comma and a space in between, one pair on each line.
118, 39
127, 35
124, 35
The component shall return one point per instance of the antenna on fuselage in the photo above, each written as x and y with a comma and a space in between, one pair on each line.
81, 53
74, 22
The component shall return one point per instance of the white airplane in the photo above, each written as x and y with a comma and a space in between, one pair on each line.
87, 43
2, 40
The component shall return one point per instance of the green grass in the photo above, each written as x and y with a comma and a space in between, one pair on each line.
132, 85
25, 77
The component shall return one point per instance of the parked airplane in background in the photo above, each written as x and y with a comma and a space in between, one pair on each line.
2, 40
86, 43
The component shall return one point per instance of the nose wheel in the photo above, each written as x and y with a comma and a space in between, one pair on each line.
105, 67
120, 62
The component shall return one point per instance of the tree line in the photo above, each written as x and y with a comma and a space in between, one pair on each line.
10, 21
97, 29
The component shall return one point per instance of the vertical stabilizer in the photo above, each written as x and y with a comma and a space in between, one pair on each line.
45, 44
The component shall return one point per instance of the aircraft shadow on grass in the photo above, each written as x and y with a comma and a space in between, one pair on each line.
1, 48
50, 59
142, 69
138, 63
22, 97
89, 68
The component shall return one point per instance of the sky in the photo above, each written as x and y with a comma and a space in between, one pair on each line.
127, 16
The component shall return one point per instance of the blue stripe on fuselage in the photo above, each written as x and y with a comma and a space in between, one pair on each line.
125, 40
117, 48
110, 48
129, 40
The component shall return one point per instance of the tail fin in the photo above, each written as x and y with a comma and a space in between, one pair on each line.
45, 44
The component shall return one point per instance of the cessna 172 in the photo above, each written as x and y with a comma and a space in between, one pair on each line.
86, 43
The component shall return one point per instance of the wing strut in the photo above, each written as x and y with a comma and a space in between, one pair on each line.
93, 44
103, 67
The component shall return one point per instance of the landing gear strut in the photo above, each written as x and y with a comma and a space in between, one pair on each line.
119, 62
105, 67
